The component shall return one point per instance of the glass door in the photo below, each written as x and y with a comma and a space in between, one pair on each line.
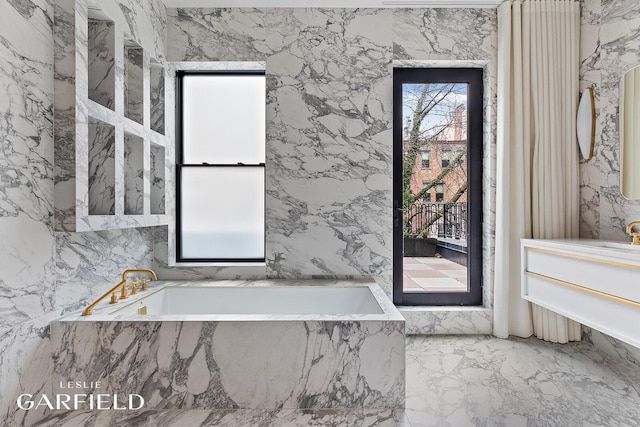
438, 186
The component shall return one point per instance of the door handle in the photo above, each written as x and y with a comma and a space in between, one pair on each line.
397, 215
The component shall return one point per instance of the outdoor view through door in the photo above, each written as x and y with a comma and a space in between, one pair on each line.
438, 186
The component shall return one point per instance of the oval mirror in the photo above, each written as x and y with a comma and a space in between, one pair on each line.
630, 134
586, 125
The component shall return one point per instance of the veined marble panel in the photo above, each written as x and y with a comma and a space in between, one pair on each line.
25, 367
590, 76
133, 175
329, 157
157, 180
101, 62
610, 33
233, 361
448, 320
27, 266
133, 83
102, 169
157, 98
89, 264
231, 34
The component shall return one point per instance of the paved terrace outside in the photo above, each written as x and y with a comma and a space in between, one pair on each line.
431, 274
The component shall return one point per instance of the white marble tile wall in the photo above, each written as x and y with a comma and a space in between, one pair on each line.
610, 45
610, 34
44, 273
329, 139
239, 34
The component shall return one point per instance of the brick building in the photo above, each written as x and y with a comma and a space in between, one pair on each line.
436, 154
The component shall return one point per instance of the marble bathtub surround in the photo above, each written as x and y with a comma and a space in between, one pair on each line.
238, 361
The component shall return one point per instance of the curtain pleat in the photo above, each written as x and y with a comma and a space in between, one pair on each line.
537, 160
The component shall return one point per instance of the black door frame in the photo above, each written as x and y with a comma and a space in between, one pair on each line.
475, 130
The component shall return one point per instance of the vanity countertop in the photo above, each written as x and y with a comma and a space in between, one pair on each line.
612, 251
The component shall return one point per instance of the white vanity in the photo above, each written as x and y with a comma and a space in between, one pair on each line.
596, 283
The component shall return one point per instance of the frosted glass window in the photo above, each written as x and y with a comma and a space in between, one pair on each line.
223, 212
223, 119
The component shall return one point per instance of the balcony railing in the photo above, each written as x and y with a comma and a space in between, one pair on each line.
441, 220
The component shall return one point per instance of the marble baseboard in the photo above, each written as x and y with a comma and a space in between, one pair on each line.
447, 320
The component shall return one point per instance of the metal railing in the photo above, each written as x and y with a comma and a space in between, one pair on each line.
442, 220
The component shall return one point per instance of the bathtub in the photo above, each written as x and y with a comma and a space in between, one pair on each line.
265, 344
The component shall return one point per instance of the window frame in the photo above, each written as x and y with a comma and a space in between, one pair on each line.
180, 166
428, 159
474, 77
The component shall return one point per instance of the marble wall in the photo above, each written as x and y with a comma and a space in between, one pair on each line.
610, 46
329, 124
610, 34
43, 273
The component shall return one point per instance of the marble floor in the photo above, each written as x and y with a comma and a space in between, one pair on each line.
431, 274
451, 381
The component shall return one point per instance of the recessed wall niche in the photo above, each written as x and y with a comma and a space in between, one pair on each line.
101, 120
156, 73
133, 175
101, 58
157, 180
133, 78
102, 172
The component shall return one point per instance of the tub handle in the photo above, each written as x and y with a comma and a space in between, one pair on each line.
123, 290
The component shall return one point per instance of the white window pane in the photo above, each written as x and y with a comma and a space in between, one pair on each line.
224, 119
222, 212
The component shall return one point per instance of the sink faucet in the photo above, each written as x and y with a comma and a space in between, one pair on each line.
634, 234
